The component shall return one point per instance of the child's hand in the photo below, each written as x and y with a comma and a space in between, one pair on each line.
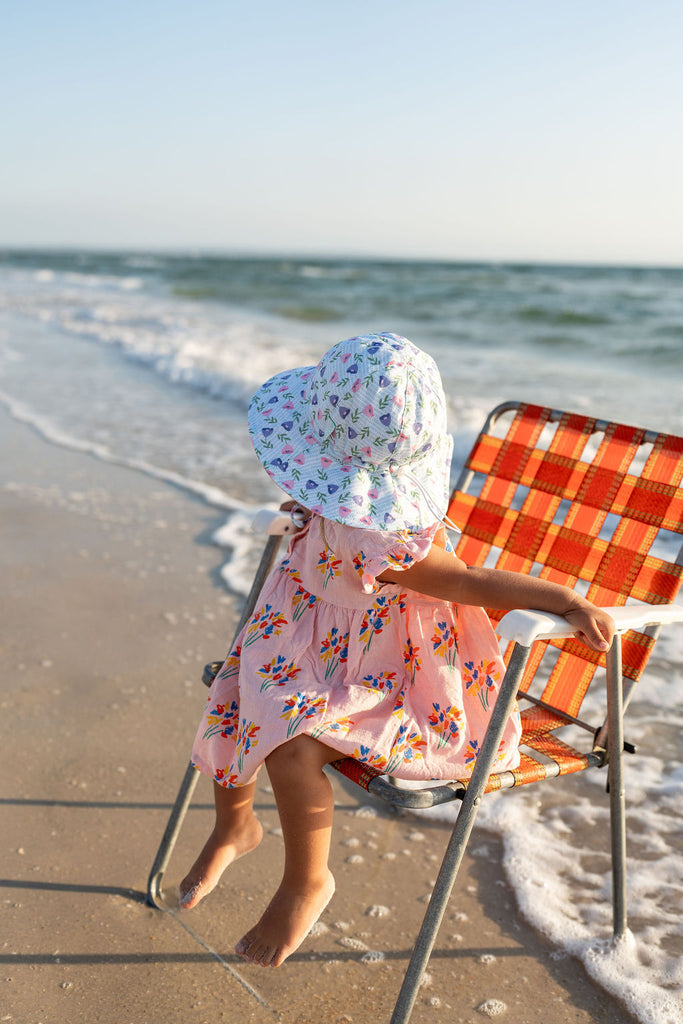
594, 627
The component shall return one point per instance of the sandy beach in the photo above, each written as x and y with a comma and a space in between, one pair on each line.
112, 603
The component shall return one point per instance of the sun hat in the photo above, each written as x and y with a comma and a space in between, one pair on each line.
360, 438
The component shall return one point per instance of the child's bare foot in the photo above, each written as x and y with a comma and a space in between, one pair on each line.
220, 850
286, 922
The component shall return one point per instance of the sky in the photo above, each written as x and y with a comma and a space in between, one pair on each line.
495, 130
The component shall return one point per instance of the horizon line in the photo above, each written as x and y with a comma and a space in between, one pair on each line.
198, 251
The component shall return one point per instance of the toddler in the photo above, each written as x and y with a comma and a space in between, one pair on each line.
369, 639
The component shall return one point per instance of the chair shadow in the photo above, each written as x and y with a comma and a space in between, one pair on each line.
99, 890
110, 805
139, 897
583, 991
127, 805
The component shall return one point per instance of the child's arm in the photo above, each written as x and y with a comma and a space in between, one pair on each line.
446, 577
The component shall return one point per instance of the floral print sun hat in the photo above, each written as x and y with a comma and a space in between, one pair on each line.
360, 438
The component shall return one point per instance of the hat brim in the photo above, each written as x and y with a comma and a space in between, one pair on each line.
359, 496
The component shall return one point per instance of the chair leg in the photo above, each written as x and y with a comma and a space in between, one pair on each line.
617, 799
434, 915
187, 786
459, 837
175, 821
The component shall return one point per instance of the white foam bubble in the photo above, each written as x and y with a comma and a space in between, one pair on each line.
350, 943
376, 910
319, 928
365, 812
373, 956
492, 1008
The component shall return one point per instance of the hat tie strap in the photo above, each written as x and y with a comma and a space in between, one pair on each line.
431, 503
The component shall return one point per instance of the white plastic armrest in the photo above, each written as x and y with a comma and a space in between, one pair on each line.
275, 524
525, 625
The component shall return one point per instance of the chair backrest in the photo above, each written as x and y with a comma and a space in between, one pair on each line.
585, 502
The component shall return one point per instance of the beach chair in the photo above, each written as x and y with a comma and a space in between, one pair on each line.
591, 504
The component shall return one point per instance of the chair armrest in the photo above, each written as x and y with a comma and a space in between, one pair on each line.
525, 625
637, 616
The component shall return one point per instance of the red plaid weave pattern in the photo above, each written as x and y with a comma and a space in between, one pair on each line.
571, 499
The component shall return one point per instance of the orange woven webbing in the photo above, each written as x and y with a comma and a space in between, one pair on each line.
568, 515
356, 771
530, 770
537, 726
539, 721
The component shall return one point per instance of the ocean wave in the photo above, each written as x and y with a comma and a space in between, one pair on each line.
332, 270
52, 432
669, 330
309, 314
561, 318
143, 262
202, 356
196, 293
180, 340
658, 354
559, 341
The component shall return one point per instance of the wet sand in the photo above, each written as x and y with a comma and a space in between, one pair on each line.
112, 603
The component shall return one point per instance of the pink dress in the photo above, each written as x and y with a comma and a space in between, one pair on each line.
395, 679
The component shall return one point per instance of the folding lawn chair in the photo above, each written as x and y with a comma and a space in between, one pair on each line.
595, 505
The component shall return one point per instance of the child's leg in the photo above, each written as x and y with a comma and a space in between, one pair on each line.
305, 803
236, 831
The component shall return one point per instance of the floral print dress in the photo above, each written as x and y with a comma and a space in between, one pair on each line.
398, 680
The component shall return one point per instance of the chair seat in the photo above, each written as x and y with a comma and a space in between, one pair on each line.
555, 757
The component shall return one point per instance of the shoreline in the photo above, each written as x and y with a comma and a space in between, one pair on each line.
116, 604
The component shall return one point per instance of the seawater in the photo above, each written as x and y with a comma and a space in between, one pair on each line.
149, 359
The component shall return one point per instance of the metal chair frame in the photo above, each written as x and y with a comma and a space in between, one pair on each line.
522, 629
